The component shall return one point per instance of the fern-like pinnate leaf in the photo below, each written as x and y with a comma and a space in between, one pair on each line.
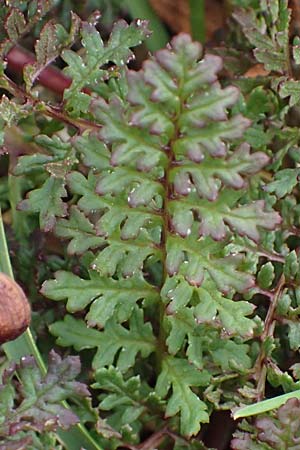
48, 201
127, 400
181, 376
159, 206
124, 344
109, 297
86, 70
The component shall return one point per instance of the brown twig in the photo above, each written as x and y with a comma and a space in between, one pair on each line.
49, 110
51, 77
152, 442
269, 326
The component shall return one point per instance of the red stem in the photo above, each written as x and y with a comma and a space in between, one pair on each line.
50, 77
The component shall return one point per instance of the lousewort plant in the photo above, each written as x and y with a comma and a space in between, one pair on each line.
152, 218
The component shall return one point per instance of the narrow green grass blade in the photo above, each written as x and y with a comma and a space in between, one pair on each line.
141, 9
265, 405
77, 437
197, 19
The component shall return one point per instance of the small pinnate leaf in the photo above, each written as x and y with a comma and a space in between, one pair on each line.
86, 70
179, 375
284, 183
11, 112
125, 398
53, 38
266, 275
290, 88
80, 230
129, 342
47, 200
109, 297
15, 24
296, 49
270, 42
294, 335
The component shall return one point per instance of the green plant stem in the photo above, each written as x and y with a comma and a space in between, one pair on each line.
140, 9
197, 19
77, 437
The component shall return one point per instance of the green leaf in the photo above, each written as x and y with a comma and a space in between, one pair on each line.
267, 31
109, 297
290, 88
296, 49
212, 306
80, 230
266, 275
294, 335
179, 375
47, 201
284, 183
11, 112
86, 69
93, 152
207, 346
209, 306
125, 257
209, 176
124, 346
124, 398
46, 50
214, 216
291, 265
194, 259
15, 24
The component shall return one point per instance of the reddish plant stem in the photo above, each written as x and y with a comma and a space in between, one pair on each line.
269, 326
152, 442
50, 110
51, 77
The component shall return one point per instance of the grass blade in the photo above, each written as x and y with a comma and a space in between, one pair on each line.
265, 405
197, 19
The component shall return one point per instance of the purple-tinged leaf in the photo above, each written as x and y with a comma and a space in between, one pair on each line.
34, 401
193, 259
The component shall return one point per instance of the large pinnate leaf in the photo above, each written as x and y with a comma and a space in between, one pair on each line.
179, 375
161, 197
